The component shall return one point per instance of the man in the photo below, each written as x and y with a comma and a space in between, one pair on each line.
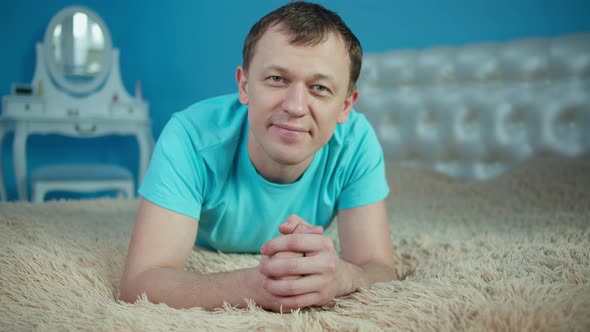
266, 171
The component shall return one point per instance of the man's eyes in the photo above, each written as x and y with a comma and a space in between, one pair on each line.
320, 88
317, 88
276, 79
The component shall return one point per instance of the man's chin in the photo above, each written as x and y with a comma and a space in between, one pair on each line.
288, 160
286, 157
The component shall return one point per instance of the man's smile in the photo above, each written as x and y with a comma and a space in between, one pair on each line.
288, 130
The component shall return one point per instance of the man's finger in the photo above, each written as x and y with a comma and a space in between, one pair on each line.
300, 286
279, 267
299, 301
282, 255
291, 224
295, 224
296, 242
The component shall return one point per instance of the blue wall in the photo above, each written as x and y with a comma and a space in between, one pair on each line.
184, 51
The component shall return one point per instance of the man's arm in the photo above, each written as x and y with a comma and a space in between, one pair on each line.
367, 257
365, 240
161, 243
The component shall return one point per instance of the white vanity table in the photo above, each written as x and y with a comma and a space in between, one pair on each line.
76, 91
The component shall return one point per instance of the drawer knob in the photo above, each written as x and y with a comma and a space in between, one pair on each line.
85, 130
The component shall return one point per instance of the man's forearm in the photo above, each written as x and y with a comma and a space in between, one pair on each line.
182, 289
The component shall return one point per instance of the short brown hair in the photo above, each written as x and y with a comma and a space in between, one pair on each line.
309, 24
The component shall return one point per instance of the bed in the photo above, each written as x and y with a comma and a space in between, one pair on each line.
487, 155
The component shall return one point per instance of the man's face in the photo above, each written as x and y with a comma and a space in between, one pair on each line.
295, 95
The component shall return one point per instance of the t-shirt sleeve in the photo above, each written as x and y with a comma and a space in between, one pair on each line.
364, 179
175, 177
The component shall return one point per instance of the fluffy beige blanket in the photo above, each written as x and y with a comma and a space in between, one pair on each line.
512, 253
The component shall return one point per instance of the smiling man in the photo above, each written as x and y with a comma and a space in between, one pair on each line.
265, 171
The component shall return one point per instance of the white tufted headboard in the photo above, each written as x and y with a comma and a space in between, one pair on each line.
475, 110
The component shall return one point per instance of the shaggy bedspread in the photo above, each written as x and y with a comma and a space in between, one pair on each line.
511, 253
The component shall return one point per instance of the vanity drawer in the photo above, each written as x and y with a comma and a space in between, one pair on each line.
17, 107
128, 111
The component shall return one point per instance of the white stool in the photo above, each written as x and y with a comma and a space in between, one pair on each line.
81, 178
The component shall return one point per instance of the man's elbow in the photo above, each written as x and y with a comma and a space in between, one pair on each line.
389, 271
392, 274
382, 272
126, 296
127, 292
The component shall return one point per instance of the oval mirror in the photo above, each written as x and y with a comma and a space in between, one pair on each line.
77, 49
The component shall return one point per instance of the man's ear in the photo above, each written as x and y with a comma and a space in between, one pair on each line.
349, 102
242, 79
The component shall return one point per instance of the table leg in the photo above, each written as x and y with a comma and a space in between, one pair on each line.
20, 161
146, 142
3, 195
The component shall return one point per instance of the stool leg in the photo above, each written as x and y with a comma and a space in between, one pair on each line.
129, 190
38, 194
120, 194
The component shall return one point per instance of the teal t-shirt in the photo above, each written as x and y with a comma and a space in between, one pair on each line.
200, 167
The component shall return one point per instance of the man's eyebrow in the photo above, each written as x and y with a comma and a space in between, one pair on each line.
281, 70
330, 79
315, 77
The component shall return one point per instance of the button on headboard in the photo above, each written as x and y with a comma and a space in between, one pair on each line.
473, 111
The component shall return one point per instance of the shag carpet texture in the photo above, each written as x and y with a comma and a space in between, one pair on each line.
507, 254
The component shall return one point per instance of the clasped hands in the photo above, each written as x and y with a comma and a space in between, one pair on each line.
301, 268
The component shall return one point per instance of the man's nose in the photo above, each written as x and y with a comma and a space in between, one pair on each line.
295, 102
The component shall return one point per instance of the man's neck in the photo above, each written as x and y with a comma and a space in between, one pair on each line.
271, 170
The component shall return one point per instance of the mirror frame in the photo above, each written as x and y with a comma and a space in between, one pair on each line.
56, 74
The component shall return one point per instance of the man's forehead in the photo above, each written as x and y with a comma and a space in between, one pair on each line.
278, 37
289, 35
